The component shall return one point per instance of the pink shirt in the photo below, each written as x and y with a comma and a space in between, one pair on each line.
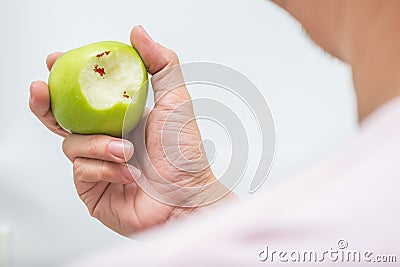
343, 210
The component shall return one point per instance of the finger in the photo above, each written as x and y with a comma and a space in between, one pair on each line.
163, 64
100, 147
92, 170
52, 58
155, 56
39, 103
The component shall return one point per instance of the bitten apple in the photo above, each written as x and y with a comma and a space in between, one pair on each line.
91, 88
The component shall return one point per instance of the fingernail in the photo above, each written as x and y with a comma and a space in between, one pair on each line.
146, 33
130, 172
120, 149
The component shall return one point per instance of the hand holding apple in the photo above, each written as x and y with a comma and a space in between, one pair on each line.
92, 86
103, 180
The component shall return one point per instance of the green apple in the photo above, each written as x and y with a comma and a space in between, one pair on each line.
91, 88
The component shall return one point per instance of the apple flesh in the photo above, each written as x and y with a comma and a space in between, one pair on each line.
91, 88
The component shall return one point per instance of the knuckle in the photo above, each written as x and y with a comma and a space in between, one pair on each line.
105, 170
65, 146
92, 144
95, 146
78, 168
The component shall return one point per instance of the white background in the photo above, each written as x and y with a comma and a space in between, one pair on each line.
309, 93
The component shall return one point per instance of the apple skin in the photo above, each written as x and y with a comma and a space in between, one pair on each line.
71, 107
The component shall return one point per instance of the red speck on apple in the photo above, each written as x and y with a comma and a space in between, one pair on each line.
98, 70
125, 95
102, 54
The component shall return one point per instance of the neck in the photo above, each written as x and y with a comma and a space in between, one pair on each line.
375, 60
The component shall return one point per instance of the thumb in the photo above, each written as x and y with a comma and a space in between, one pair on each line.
155, 56
163, 64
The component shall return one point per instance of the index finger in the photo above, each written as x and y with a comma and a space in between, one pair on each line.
39, 103
39, 100
52, 58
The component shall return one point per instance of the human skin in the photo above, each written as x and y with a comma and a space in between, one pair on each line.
107, 185
362, 33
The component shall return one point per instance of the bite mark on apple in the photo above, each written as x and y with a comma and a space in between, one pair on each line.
100, 71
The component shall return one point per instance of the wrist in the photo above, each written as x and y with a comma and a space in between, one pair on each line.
213, 193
